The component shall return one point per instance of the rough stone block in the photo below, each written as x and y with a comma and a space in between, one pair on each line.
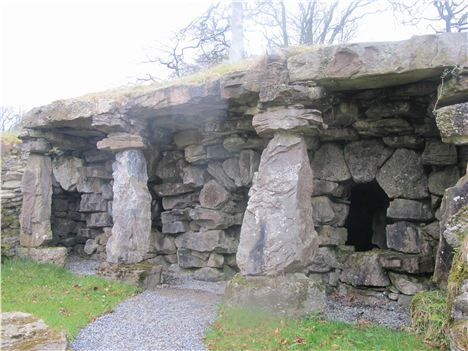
403, 176
404, 237
98, 220
332, 236
364, 269
93, 203
292, 295
291, 119
121, 141
329, 163
207, 241
452, 122
54, 255
143, 274
403, 209
439, 154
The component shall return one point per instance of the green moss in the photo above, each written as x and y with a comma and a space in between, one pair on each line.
429, 317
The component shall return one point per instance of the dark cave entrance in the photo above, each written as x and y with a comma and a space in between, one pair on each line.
367, 217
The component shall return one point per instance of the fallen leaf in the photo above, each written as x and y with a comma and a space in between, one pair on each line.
298, 340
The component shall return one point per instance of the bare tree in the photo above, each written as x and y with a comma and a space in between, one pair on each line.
200, 44
204, 41
440, 15
10, 117
310, 21
237, 37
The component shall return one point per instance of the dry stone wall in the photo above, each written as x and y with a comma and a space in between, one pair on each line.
199, 182
82, 202
13, 162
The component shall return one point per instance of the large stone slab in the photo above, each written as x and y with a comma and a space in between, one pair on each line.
452, 122
377, 65
292, 295
278, 234
291, 119
403, 175
37, 201
131, 209
23, 331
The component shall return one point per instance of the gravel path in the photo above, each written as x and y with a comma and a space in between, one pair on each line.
175, 316
389, 314
82, 266
162, 319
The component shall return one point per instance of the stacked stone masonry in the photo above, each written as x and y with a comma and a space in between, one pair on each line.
337, 166
13, 163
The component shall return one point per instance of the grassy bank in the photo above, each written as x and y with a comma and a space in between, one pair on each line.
237, 329
64, 301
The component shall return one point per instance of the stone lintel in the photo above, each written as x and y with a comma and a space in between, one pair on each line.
295, 119
121, 141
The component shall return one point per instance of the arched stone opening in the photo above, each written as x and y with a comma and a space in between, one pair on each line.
367, 217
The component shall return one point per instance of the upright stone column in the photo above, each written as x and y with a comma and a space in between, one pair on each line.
278, 239
37, 201
131, 209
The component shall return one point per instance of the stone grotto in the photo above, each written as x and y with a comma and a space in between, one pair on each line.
338, 169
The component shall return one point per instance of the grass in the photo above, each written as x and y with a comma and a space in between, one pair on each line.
64, 301
237, 329
430, 317
211, 73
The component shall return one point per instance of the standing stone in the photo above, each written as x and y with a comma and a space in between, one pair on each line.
248, 165
453, 226
329, 163
278, 234
37, 201
131, 210
403, 176
364, 158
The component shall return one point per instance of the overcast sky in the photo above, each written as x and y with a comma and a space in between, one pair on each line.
55, 49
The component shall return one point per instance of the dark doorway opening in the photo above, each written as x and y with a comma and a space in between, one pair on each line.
367, 217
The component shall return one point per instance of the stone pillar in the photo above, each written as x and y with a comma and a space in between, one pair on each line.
278, 239
130, 241
37, 201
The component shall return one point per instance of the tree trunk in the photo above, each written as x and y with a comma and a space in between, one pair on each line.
237, 30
